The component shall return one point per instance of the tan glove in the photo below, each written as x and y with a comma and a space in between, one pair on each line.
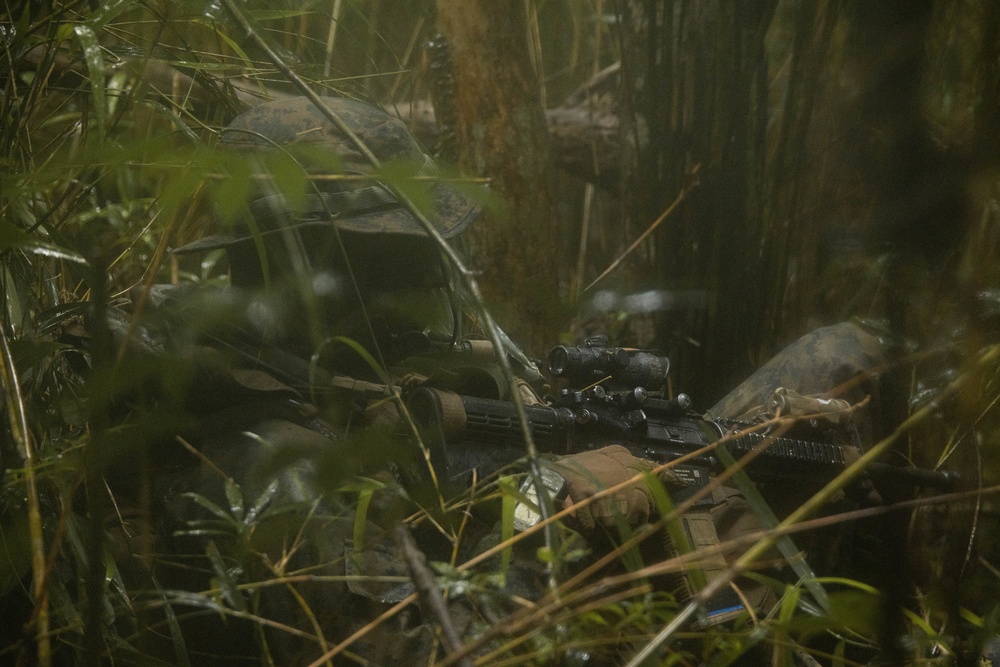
587, 473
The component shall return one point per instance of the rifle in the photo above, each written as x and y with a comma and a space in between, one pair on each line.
623, 402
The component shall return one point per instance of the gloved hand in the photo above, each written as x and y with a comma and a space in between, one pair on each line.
587, 473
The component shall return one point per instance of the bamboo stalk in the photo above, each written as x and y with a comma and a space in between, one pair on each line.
332, 36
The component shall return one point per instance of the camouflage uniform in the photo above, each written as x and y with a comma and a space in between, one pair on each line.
838, 361
268, 444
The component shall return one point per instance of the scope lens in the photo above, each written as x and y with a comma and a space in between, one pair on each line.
557, 360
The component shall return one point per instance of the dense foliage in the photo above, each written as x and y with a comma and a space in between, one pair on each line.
829, 161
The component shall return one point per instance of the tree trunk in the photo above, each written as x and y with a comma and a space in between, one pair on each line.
501, 133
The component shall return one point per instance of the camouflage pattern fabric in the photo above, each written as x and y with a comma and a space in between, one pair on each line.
838, 361
304, 133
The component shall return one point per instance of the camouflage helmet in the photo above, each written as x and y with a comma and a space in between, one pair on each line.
298, 127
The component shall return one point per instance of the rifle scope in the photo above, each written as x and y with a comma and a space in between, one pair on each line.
593, 362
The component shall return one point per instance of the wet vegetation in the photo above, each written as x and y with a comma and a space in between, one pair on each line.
716, 178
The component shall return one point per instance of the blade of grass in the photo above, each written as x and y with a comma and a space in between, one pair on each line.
692, 182
17, 415
96, 71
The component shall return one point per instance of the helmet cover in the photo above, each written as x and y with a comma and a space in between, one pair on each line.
360, 206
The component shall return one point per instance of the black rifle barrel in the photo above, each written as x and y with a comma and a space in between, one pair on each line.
487, 428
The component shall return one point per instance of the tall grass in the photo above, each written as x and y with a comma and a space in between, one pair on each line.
110, 111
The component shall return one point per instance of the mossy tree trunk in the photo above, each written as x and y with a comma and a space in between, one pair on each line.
501, 133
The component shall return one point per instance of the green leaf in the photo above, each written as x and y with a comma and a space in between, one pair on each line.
12, 237
508, 487
360, 523
176, 635
262, 502
919, 622
64, 32
849, 611
361, 485
230, 591
594, 618
54, 252
678, 536
211, 507
850, 583
971, 617
785, 545
789, 603
94, 58
234, 496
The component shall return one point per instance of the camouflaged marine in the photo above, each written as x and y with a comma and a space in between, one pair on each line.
336, 291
